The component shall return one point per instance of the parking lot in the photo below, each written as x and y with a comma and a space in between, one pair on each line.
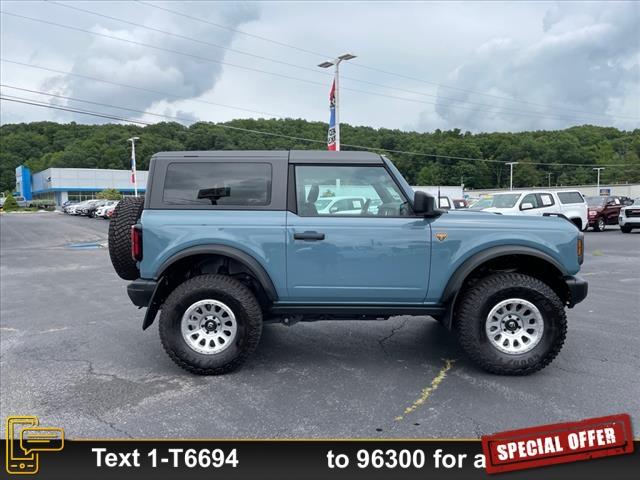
74, 354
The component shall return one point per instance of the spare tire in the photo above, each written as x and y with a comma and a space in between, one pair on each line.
126, 214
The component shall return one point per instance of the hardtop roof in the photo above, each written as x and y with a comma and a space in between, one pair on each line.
292, 156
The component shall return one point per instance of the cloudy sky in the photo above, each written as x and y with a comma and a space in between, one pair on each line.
479, 66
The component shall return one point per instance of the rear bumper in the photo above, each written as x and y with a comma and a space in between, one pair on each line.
140, 292
578, 289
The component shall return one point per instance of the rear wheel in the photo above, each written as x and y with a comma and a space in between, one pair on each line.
124, 217
600, 225
210, 324
511, 324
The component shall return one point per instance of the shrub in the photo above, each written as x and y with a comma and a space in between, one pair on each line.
10, 203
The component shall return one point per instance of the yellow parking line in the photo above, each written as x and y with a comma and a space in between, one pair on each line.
426, 393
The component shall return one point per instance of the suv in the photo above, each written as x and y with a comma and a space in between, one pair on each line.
630, 216
569, 203
226, 241
603, 211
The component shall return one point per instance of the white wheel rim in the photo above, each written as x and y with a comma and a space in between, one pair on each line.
209, 327
514, 326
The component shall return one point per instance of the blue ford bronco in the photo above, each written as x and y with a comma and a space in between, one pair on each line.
225, 241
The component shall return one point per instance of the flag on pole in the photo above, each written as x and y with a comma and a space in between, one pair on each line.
133, 167
331, 134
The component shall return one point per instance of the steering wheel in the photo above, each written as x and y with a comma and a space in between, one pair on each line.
365, 207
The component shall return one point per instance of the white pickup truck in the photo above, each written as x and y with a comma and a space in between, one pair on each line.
569, 203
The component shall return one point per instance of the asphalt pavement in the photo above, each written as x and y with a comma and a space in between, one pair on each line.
72, 352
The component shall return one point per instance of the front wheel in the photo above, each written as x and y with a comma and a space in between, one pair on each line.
511, 324
210, 324
625, 228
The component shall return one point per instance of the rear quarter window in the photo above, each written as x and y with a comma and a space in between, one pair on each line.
570, 197
218, 183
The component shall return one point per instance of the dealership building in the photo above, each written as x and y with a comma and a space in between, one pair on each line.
74, 184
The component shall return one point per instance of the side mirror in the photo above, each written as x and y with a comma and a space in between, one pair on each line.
526, 206
424, 204
333, 210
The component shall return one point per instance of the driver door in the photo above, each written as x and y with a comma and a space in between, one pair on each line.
379, 254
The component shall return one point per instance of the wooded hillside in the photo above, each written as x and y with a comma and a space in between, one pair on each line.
40, 145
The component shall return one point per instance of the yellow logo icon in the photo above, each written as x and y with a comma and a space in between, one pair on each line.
25, 440
441, 236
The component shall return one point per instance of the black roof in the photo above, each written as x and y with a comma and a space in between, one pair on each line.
294, 156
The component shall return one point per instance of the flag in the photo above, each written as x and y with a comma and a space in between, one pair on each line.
133, 168
331, 134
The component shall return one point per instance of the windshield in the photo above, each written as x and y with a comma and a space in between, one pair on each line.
482, 203
507, 200
595, 201
322, 204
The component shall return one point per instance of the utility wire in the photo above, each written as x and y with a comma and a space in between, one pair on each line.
248, 130
142, 89
301, 67
324, 56
207, 59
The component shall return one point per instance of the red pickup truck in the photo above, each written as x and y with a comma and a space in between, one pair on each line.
603, 211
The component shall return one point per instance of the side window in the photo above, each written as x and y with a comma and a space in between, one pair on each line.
531, 200
546, 200
570, 197
444, 203
217, 183
327, 190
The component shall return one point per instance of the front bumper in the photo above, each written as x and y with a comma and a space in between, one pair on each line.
141, 291
578, 289
630, 221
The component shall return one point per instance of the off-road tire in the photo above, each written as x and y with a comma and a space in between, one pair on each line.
600, 225
625, 228
228, 291
476, 303
125, 215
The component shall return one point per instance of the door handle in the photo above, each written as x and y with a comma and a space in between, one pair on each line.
308, 236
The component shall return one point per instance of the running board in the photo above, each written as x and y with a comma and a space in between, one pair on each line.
356, 310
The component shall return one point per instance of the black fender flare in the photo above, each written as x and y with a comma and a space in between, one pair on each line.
451, 291
256, 269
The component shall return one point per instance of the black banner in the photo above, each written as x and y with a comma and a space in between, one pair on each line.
295, 460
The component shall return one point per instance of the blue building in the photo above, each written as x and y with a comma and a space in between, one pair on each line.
74, 184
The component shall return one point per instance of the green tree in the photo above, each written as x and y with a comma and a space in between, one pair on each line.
109, 194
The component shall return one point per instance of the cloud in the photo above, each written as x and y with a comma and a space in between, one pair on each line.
586, 60
153, 69
570, 55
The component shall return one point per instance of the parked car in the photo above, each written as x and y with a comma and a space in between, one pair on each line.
339, 205
569, 203
66, 206
77, 208
629, 217
459, 203
603, 211
109, 211
101, 211
89, 207
226, 241
21, 202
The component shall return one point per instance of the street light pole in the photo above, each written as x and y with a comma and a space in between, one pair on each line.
327, 64
511, 164
549, 175
598, 169
134, 175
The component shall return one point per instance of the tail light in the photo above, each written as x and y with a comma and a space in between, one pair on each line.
136, 242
